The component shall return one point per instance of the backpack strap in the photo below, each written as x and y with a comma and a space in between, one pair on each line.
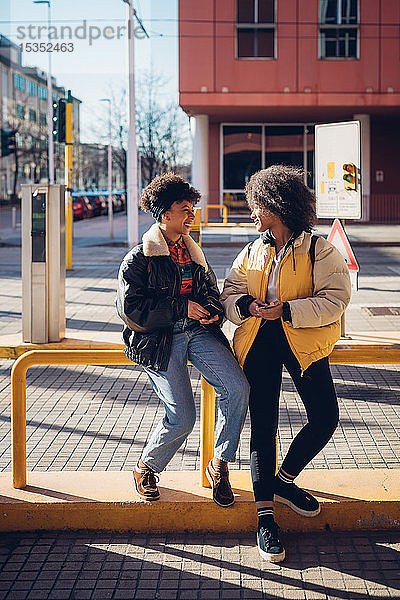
249, 248
311, 251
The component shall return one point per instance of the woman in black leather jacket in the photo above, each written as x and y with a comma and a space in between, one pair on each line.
169, 301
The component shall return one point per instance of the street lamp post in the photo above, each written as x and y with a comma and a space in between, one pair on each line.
131, 163
110, 205
49, 98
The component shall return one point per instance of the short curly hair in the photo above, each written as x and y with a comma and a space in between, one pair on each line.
281, 190
159, 195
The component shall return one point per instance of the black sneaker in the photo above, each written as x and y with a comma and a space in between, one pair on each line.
269, 544
302, 502
221, 487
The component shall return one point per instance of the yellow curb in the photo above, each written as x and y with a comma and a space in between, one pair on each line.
351, 499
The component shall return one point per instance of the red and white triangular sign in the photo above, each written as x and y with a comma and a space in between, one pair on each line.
338, 238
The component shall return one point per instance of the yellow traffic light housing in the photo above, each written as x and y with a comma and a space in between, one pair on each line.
350, 176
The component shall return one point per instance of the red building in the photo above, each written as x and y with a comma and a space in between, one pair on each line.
257, 75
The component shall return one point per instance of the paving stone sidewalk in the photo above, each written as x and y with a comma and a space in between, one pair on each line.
83, 565
99, 418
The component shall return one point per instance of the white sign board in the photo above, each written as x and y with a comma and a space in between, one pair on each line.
337, 170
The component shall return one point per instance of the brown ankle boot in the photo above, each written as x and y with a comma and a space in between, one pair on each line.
145, 480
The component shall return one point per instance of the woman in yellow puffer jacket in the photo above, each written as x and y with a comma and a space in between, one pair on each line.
287, 292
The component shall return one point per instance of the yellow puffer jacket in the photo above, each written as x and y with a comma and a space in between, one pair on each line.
315, 306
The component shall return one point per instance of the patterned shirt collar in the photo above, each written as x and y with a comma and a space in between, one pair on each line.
179, 243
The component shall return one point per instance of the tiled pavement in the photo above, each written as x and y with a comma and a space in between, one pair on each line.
83, 565
98, 418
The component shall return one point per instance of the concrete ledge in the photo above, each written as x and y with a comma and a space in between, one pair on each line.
12, 347
378, 347
352, 499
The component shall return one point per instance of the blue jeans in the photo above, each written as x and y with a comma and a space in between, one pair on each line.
220, 369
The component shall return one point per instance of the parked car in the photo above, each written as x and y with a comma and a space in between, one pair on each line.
77, 208
81, 207
117, 203
88, 206
97, 203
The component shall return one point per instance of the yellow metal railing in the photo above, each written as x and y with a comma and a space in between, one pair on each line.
87, 357
344, 353
219, 206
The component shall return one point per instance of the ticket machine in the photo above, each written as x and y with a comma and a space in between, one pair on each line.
43, 263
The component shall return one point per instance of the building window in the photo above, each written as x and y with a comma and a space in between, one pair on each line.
19, 82
42, 93
255, 29
32, 88
20, 111
338, 29
32, 115
43, 119
249, 148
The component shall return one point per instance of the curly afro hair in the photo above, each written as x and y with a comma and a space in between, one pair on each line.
163, 191
281, 190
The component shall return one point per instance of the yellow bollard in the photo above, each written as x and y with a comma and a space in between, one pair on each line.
207, 426
18, 421
68, 187
195, 230
224, 212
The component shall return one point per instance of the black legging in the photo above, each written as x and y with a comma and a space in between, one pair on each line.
263, 368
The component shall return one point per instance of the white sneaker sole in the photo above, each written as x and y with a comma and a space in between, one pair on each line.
299, 511
273, 558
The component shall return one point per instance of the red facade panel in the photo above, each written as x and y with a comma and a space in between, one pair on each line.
259, 75
390, 46
196, 46
297, 76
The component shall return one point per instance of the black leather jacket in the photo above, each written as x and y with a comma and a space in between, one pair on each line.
149, 302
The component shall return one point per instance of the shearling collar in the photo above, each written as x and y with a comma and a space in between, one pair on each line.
154, 244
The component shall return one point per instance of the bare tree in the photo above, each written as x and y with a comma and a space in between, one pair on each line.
31, 149
162, 129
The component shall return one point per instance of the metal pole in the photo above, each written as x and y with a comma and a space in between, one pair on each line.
110, 204
50, 105
109, 168
49, 99
132, 204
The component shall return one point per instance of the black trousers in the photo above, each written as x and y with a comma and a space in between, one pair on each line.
263, 369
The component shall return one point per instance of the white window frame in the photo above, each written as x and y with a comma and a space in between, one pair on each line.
256, 25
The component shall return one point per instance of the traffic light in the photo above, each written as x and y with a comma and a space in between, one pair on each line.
8, 145
62, 120
350, 176
59, 120
55, 121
